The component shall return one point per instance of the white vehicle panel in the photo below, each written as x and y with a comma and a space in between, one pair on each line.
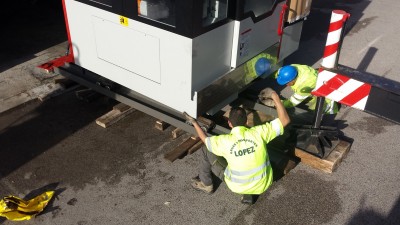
128, 52
159, 68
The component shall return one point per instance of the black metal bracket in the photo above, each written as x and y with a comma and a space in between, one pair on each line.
317, 141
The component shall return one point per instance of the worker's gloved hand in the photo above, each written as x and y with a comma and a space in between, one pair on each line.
189, 119
268, 102
265, 93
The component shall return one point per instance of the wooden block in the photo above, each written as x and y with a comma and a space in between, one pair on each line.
177, 132
112, 117
181, 149
195, 147
330, 162
121, 107
161, 125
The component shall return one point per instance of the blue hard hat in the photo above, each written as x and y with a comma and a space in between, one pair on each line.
286, 74
262, 65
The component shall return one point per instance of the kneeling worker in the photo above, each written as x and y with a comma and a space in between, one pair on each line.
302, 79
248, 170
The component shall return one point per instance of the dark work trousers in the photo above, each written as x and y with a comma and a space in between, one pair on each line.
209, 164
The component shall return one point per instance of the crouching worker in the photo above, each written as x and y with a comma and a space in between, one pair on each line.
248, 170
302, 79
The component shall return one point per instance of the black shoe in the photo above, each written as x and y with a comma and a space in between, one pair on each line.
247, 199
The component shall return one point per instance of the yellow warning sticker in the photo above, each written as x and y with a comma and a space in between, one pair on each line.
123, 20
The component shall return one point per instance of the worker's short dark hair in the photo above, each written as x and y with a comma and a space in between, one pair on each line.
238, 116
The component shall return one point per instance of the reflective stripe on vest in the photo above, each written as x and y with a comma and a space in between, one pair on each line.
297, 99
276, 126
229, 173
208, 144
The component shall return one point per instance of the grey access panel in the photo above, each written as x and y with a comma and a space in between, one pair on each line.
290, 39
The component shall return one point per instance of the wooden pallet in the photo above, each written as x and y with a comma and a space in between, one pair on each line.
328, 164
118, 112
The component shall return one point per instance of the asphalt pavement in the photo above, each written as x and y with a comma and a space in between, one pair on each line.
118, 175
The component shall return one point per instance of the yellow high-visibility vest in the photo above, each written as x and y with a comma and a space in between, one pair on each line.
249, 170
305, 82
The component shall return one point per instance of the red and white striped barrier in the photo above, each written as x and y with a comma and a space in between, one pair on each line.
334, 35
342, 89
335, 86
367, 92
